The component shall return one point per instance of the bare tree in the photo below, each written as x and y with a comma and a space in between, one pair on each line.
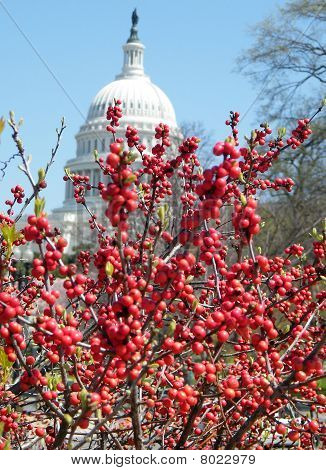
288, 57
287, 63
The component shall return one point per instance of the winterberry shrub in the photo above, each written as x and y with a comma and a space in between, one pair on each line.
169, 336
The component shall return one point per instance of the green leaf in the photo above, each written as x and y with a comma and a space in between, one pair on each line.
281, 132
283, 325
39, 206
7, 445
194, 305
79, 353
10, 235
5, 367
155, 365
170, 328
132, 156
68, 418
53, 380
130, 179
68, 172
161, 213
190, 378
83, 398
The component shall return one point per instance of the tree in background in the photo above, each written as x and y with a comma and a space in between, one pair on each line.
288, 60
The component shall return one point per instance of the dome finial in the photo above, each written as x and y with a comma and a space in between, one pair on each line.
133, 31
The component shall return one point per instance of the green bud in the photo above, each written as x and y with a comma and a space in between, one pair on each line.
109, 269
2, 124
20, 145
243, 200
161, 213
68, 172
241, 178
194, 304
41, 175
68, 419
171, 328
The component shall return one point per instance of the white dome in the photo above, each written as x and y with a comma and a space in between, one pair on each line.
141, 101
144, 106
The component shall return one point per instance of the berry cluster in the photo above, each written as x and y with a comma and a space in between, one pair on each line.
120, 194
245, 220
300, 133
37, 228
9, 307
113, 114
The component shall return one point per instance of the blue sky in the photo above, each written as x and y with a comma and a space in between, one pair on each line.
191, 52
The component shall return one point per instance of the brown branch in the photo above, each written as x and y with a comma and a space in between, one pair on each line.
278, 391
135, 418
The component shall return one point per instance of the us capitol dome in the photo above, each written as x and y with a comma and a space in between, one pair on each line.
144, 106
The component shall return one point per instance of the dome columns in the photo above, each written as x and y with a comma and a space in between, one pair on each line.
133, 63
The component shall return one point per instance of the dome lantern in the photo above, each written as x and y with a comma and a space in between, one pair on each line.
133, 62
